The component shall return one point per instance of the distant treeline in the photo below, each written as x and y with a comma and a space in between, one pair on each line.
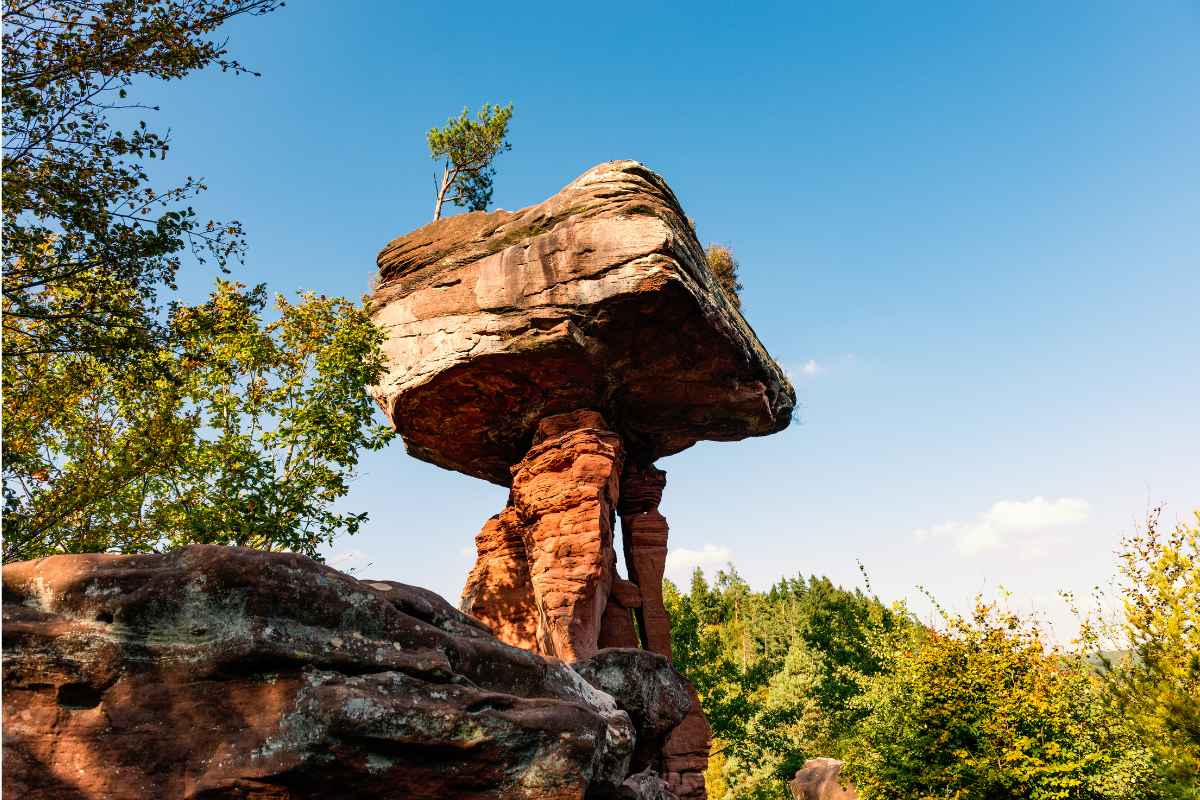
976, 707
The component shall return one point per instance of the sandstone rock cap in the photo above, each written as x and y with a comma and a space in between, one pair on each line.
599, 298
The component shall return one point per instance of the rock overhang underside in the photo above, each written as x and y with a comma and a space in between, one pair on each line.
598, 298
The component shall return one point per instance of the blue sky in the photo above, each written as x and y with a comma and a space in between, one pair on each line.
968, 230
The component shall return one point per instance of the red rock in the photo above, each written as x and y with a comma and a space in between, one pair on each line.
616, 626
498, 590
685, 755
216, 672
499, 328
626, 593
600, 297
644, 533
821, 779
565, 492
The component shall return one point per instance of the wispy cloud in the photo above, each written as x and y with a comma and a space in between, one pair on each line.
813, 367
347, 560
1032, 527
681, 561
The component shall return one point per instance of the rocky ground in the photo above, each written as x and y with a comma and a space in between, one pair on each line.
216, 672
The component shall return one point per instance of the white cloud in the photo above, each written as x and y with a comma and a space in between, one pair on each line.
351, 561
811, 367
1030, 526
681, 561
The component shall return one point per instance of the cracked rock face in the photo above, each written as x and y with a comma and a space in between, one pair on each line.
644, 685
216, 672
598, 298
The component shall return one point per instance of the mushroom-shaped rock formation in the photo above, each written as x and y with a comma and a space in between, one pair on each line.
598, 298
560, 350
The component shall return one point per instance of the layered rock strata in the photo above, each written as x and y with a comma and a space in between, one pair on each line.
216, 672
600, 298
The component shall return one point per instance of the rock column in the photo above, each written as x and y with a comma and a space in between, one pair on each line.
644, 533
498, 590
546, 575
644, 536
546, 565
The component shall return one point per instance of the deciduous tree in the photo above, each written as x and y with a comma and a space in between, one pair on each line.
242, 432
1149, 655
88, 242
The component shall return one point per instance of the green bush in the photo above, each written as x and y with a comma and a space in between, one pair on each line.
983, 710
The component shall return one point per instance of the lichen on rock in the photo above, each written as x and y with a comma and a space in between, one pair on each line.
218, 672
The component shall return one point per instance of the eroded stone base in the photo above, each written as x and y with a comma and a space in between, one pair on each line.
546, 574
546, 564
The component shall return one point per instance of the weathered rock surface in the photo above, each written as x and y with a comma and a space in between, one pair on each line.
685, 755
644, 537
598, 298
565, 492
645, 686
646, 786
820, 779
216, 672
644, 532
498, 590
546, 565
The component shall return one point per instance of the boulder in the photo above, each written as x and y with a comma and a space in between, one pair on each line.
598, 298
820, 779
214, 672
645, 686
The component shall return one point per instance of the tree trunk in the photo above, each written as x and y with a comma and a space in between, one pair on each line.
441, 193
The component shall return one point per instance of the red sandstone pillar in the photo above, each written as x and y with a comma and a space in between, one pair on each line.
498, 591
616, 628
565, 492
644, 534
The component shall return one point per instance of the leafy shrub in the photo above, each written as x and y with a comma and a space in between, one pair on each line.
984, 710
1149, 657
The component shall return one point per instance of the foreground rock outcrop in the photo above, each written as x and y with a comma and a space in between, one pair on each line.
216, 672
560, 350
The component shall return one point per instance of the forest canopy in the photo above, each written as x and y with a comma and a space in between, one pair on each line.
979, 706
